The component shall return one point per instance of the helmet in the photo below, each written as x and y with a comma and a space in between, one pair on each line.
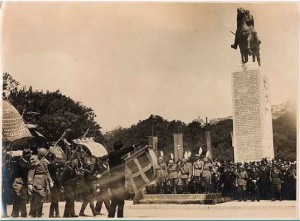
42, 152
26, 152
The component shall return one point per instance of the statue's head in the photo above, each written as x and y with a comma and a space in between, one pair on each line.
241, 11
247, 12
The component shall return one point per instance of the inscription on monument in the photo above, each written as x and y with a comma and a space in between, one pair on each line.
249, 110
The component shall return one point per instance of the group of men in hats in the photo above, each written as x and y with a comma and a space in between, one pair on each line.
37, 178
265, 179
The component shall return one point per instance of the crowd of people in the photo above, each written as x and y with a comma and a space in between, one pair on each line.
260, 180
34, 179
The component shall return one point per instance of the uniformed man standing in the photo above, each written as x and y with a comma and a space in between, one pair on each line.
242, 177
205, 179
172, 174
102, 194
197, 171
69, 183
21, 169
186, 172
54, 169
39, 181
117, 178
264, 182
254, 183
275, 178
161, 175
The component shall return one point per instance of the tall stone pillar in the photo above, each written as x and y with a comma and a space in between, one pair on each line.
178, 146
252, 120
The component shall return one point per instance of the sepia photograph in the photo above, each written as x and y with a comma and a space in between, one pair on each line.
149, 110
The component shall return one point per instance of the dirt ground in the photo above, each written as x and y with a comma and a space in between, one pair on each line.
229, 210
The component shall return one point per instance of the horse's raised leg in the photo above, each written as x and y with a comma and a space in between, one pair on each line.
253, 57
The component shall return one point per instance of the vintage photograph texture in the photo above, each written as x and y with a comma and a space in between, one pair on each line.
149, 110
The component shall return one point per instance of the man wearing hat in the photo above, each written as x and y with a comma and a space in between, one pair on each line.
264, 181
172, 174
161, 174
253, 183
186, 170
276, 177
117, 178
197, 171
242, 178
21, 169
205, 179
39, 181
68, 183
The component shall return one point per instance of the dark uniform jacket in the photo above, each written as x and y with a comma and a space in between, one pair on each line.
117, 171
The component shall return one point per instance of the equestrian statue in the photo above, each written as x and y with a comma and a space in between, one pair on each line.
246, 37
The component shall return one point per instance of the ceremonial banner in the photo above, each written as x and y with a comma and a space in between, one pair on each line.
152, 141
208, 144
140, 168
13, 125
178, 146
96, 149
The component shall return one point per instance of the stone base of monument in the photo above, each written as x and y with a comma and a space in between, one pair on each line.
208, 199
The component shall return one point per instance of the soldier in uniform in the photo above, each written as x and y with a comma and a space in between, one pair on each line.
54, 170
161, 175
186, 170
264, 182
88, 188
253, 181
205, 179
39, 181
68, 183
102, 194
21, 170
117, 178
197, 170
275, 178
215, 179
242, 177
172, 174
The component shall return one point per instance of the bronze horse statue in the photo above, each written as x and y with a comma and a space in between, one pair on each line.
246, 37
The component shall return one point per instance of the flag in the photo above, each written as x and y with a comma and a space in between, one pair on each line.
96, 149
140, 168
13, 125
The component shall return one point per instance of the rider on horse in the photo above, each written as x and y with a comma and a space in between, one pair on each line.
245, 27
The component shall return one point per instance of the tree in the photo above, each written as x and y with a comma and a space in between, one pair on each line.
54, 112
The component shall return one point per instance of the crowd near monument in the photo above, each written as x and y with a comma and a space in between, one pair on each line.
87, 171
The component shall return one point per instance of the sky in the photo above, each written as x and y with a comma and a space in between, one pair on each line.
130, 60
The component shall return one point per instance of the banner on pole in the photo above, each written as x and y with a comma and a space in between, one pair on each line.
178, 146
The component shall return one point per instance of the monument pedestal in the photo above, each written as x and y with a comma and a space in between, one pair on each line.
252, 119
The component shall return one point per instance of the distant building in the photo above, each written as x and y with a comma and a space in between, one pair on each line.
280, 109
199, 120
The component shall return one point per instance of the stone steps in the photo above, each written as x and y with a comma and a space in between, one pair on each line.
207, 199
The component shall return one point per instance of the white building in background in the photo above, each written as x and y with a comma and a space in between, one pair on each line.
280, 109
199, 120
